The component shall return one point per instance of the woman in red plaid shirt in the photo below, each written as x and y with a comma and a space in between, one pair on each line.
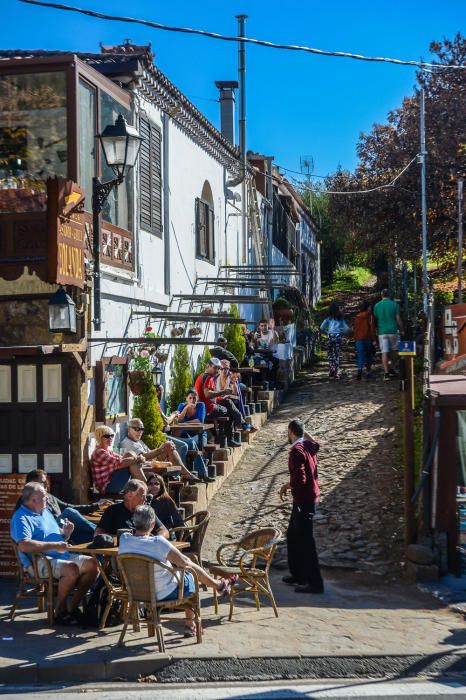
110, 471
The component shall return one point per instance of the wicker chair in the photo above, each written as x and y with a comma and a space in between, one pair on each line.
194, 532
137, 572
247, 555
31, 585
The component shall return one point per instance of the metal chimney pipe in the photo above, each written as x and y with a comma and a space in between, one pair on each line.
227, 108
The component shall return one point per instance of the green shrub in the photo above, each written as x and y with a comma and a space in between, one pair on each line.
181, 379
234, 336
203, 360
146, 407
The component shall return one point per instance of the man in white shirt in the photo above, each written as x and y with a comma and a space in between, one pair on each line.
167, 583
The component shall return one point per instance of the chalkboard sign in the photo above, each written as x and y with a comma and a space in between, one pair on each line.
111, 389
11, 487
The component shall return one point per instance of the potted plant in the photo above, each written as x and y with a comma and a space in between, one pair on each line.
161, 353
282, 311
140, 365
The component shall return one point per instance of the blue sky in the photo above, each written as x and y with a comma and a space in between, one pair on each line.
298, 104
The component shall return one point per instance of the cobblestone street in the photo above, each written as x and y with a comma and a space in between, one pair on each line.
359, 524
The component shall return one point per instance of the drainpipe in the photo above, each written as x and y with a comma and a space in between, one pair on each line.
241, 179
166, 200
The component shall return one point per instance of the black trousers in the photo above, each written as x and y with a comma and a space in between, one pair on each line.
303, 562
232, 411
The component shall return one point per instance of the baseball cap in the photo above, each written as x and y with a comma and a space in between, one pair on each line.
215, 361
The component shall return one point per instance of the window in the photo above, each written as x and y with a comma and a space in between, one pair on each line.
150, 178
33, 138
87, 132
119, 205
205, 225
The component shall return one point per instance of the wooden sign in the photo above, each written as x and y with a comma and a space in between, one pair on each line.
11, 487
65, 222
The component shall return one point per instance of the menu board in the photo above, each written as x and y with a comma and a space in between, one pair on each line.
11, 487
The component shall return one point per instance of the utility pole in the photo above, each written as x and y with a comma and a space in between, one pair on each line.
460, 240
422, 158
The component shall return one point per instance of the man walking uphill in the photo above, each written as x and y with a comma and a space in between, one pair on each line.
388, 320
302, 555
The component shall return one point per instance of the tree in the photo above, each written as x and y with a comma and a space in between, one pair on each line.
181, 379
146, 407
389, 220
234, 336
203, 360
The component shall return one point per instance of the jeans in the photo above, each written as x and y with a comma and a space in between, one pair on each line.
190, 443
232, 412
181, 447
303, 562
364, 350
83, 529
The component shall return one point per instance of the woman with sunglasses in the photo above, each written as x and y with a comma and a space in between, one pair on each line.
163, 504
110, 471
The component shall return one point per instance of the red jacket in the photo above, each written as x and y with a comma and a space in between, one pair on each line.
364, 326
302, 464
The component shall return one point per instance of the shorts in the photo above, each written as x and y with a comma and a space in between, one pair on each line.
57, 565
188, 589
118, 480
389, 342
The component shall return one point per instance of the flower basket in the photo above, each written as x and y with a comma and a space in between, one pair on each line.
138, 381
195, 331
161, 353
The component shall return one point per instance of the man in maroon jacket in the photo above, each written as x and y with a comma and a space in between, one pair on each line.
302, 555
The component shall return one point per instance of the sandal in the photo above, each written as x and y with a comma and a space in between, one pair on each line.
226, 585
190, 630
67, 619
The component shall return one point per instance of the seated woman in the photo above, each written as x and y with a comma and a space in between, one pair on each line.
110, 471
193, 411
162, 503
229, 379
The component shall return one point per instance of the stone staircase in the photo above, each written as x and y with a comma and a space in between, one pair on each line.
195, 497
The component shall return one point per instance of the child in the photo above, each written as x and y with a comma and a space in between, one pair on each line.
364, 336
335, 327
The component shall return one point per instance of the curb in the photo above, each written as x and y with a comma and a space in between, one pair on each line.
170, 670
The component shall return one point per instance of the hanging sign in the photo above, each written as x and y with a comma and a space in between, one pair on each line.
406, 348
65, 220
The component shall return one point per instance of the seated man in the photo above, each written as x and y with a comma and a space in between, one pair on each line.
220, 350
265, 339
36, 531
119, 516
166, 452
166, 583
217, 403
110, 471
83, 529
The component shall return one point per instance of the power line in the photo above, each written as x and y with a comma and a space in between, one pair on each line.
245, 40
372, 189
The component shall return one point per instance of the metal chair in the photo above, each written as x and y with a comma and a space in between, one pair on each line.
248, 553
32, 585
194, 533
137, 572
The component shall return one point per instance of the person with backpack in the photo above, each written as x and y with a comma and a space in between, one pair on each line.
365, 335
335, 327
217, 403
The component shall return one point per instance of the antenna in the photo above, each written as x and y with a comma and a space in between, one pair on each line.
306, 164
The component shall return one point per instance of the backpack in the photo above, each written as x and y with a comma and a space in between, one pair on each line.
95, 605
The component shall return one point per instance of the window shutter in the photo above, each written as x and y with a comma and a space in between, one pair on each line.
211, 234
150, 178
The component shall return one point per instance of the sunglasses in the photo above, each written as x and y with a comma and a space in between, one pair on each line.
109, 436
137, 429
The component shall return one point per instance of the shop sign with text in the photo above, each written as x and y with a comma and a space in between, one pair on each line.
65, 217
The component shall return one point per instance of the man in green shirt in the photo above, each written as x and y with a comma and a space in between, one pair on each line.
389, 325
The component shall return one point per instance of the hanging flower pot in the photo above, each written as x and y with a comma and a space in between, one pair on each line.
138, 381
161, 353
195, 331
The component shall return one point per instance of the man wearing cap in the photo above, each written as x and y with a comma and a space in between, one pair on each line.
217, 403
119, 516
36, 531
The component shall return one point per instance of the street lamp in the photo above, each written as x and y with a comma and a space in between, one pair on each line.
120, 145
157, 372
62, 313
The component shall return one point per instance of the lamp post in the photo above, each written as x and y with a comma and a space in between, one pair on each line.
120, 145
62, 313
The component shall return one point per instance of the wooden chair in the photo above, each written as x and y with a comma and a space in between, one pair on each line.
248, 554
31, 585
137, 572
194, 533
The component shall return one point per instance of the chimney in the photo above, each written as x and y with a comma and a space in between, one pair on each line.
227, 108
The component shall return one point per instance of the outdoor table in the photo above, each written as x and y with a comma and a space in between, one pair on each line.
110, 552
191, 427
249, 373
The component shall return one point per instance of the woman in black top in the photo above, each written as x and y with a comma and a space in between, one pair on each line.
163, 504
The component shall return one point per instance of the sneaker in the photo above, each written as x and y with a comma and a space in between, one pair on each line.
207, 479
392, 373
386, 377
359, 375
290, 581
234, 443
